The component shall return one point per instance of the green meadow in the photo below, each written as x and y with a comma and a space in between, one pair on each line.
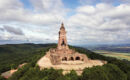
118, 55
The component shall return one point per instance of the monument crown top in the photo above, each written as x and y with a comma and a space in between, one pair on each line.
62, 26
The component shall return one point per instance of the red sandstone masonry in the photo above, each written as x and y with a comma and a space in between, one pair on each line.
67, 59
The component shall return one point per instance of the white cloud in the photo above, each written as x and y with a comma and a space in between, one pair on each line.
10, 4
92, 2
100, 23
86, 9
15, 12
48, 5
46, 13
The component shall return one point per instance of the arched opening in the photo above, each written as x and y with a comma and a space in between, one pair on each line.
71, 58
63, 42
64, 59
77, 58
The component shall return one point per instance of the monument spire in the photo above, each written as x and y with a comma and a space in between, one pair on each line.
62, 42
62, 26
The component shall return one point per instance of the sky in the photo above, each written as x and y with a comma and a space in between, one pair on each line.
86, 21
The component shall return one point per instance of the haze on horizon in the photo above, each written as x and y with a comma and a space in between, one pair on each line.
86, 21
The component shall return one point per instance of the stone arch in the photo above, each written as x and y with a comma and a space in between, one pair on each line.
63, 43
64, 59
77, 58
71, 59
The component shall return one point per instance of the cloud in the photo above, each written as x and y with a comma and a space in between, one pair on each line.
44, 17
89, 23
103, 23
10, 4
93, 2
86, 9
48, 5
1, 29
45, 12
16, 31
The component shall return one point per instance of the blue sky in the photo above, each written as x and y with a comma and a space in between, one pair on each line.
86, 21
27, 4
71, 3
68, 3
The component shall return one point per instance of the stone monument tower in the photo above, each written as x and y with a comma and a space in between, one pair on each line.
66, 58
62, 43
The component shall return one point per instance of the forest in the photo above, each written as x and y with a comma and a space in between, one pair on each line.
11, 55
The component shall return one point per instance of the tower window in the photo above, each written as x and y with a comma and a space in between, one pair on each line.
63, 43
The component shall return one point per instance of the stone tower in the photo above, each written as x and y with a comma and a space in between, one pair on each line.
66, 58
62, 42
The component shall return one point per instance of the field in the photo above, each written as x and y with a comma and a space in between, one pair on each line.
118, 55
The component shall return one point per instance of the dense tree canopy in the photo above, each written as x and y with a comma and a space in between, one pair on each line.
30, 53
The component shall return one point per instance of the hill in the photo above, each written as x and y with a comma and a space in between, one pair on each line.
119, 51
122, 48
13, 55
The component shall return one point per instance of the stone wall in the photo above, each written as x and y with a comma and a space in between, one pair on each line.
58, 56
